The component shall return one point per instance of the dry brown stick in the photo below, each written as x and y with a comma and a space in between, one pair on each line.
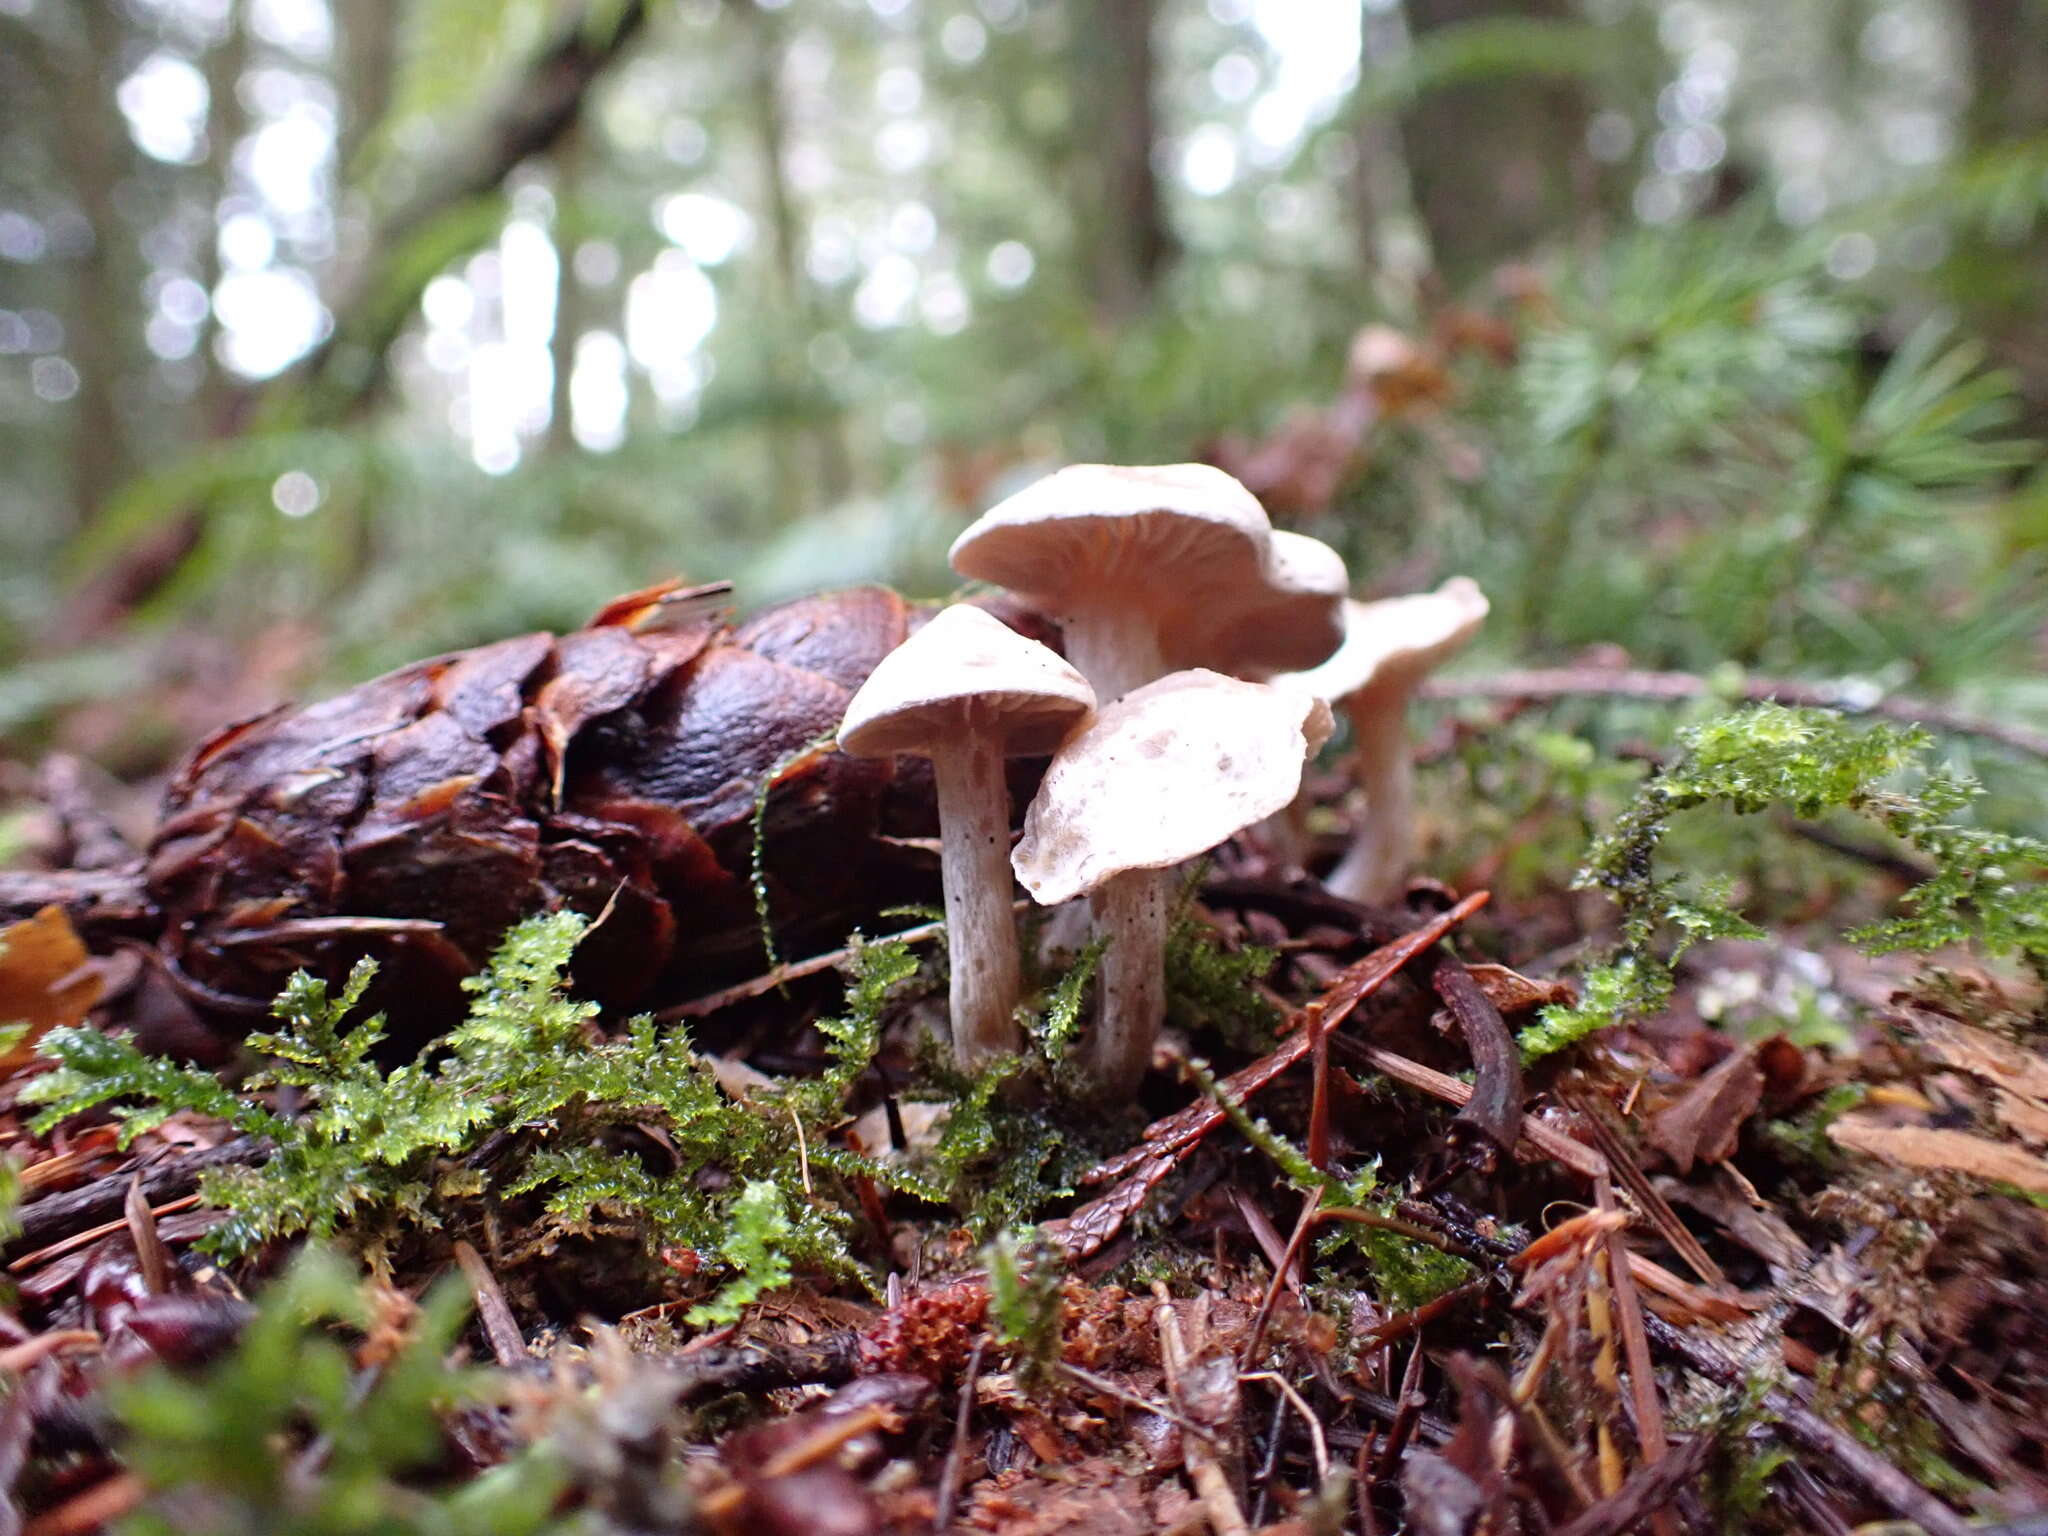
1537, 1138
1621, 1160
57, 1250
16, 1359
956, 1453
1635, 1344
1212, 1486
150, 1253
91, 1510
719, 1505
1647, 1492
1352, 986
794, 970
58, 1214
1602, 682
1311, 1218
501, 1328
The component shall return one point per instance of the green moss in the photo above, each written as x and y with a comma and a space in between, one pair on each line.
220, 1450
1987, 889
1024, 1300
374, 1153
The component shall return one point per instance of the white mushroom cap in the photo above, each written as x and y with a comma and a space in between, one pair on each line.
1397, 641
1165, 773
1299, 625
1092, 527
965, 665
1181, 550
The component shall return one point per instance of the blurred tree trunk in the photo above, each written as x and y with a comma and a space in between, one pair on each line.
368, 64
1119, 214
2009, 63
92, 146
375, 301
2008, 42
787, 372
1494, 162
571, 310
1392, 241
225, 123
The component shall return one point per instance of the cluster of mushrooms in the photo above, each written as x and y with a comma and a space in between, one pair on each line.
1205, 650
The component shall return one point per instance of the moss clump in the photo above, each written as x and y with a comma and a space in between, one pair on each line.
373, 1153
1986, 891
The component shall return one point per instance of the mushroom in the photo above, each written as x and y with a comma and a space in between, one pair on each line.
1389, 648
1165, 773
1147, 569
1298, 612
967, 691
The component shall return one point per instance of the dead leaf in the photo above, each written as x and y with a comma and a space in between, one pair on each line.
1981, 1054
46, 979
1915, 1146
2023, 1115
1702, 1124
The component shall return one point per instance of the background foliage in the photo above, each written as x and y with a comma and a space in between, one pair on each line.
335, 332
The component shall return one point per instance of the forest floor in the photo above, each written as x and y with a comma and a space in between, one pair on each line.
1370, 1252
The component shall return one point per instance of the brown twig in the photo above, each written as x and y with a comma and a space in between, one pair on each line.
1537, 1138
1351, 987
91, 1510
151, 1255
56, 1250
956, 1453
58, 1214
501, 1328
1212, 1486
1635, 1344
794, 970
1647, 1493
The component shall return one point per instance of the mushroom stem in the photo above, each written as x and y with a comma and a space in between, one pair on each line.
1129, 910
1115, 647
974, 863
1384, 846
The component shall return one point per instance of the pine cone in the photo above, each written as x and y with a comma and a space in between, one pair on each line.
613, 770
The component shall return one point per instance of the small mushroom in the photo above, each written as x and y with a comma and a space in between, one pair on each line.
1146, 569
1165, 773
967, 691
1389, 648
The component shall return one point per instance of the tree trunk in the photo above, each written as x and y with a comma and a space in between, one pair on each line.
1493, 162
368, 64
1393, 242
2008, 43
225, 123
570, 306
91, 144
787, 369
1122, 231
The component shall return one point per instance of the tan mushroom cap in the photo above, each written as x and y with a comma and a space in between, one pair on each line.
1165, 773
965, 669
1185, 543
1398, 640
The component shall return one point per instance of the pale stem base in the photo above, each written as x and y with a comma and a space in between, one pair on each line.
1115, 648
1130, 911
1383, 849
981, 929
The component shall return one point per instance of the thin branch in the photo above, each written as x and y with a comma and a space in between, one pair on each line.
1545, 683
